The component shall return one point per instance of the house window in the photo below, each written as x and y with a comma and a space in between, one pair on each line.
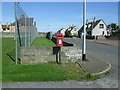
101, 26
8, 29
4, 29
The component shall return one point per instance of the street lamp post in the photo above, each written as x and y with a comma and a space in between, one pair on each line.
16, 32
84, 33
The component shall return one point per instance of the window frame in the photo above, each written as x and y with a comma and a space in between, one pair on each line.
101, 26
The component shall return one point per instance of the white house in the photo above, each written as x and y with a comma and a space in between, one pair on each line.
62, 30
95, 28
7, 28
73, 29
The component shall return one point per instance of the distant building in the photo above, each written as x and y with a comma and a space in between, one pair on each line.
22, 23
0, 28
73, 29
95, 28
7, 28
62, 30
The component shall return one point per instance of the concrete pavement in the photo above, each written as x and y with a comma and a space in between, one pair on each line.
94, 65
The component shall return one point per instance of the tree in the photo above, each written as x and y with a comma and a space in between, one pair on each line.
67, 33
113, 26
118, 27
115, 29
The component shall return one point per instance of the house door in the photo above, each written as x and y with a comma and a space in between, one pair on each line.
103, 33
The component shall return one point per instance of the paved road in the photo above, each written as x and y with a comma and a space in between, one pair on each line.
108, 42
64, 84
105, 52
102, 51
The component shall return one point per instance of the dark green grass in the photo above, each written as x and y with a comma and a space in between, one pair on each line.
36, 73
42, 42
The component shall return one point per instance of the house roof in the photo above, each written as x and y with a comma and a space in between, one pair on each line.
71, 28
4, 26
94, 25
60, 29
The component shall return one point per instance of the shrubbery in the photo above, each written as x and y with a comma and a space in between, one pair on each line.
67, 33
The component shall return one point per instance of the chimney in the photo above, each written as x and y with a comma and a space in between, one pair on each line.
87, 22
34, 23
94, 19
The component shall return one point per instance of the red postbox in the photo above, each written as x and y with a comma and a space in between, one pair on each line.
59, 39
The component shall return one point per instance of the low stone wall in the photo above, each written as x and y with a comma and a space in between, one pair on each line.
8, 34
101, 38
37, 55
72, 53
42, 34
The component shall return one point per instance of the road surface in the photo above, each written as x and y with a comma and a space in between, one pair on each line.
105, 52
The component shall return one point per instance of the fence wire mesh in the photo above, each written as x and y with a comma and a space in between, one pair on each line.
26, 30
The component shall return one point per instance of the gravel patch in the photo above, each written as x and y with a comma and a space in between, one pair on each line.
100, 83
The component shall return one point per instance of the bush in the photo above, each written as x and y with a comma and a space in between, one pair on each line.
67, 33
88, 76
75, 35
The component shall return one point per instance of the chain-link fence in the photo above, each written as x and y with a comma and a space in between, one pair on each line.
25, 29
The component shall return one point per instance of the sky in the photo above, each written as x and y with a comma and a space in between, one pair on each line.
52, 16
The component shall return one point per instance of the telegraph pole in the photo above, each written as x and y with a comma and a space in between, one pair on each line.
16, 36
84, 33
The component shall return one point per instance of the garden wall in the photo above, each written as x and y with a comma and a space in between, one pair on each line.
8, 34
37, 55
42, 34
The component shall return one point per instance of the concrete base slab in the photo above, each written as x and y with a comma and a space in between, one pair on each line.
94, 65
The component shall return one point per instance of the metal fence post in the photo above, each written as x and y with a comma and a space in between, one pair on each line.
84, 36
25, 33
15, 6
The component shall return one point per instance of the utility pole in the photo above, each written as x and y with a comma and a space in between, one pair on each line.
25, 31
119, 13
84, 33
16, 36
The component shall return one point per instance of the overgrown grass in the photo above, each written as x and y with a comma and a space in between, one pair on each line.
36, 73
42, 42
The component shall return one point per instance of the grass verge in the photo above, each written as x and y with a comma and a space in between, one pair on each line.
42, 42
36, 73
